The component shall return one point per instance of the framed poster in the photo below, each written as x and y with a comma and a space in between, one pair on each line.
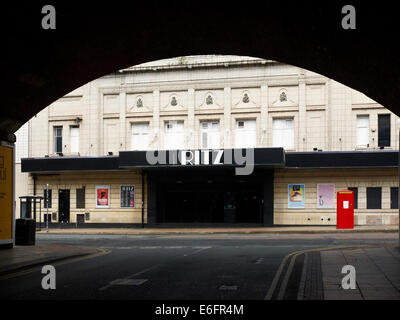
296, 195
127, 196
102, 196
326, 196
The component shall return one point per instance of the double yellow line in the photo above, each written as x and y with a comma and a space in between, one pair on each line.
292, 256
101, 252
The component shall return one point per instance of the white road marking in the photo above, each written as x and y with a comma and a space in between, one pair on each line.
228, 288
128, 282
129, 277
197, 251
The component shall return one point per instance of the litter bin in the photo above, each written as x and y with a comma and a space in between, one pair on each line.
25, 232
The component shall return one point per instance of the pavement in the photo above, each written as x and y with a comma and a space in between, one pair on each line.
220, 230
22, 257
376, 270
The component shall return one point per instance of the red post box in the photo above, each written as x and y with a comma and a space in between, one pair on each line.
345, 209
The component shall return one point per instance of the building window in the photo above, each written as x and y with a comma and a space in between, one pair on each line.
57, 139
355, 191
174, 135
80, 198
246, 133
383, 130
374, 198
74, 139
283, 133
47, 198
209, 134
394, 198
363, 131
140, 136
127, 196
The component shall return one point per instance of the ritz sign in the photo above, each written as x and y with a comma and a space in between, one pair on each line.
242, 158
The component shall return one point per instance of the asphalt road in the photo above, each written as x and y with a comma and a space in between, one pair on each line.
206, 267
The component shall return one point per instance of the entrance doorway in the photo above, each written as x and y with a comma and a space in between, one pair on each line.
249, 204
200, 196
63, 205
200, 206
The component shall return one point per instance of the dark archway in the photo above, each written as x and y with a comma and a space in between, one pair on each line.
39, 66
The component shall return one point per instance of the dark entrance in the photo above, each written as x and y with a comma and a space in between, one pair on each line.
185, 202
209, 196
249, 203
63, 205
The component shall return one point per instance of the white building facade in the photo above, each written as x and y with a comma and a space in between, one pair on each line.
209, 103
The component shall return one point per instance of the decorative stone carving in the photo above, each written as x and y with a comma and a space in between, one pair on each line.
174, 102
283, 99
207, 99
139, 103
245, 98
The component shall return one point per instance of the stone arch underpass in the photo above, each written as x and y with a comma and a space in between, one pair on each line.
39, 66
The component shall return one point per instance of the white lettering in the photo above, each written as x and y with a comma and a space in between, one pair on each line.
349, 20
183, 311
49, 20
218, 158
349, 281
49, 281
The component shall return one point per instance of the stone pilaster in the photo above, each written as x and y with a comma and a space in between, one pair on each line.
157, 125
191, 136
228, 130
302, 121
123, 132
264, 117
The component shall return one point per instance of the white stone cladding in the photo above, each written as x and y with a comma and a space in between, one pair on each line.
324, 111
192, 89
